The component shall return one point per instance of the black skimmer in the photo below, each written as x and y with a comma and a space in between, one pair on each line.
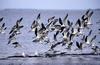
39, 16
79, 45
1, 19
49, 24
62, 24
19, 21
16, 44
69, 23
16, 28
41, 33
51, 18
88, 17
57, 27
95, 49
69, 45
34, 25
79, 24
80, 31
3, 28
60, 21
89, 41
74, 30
71, 36
55, 35
65, 21
90, 32
94, 37
87, 12
12, 37
54, 21
66, 36
54, 45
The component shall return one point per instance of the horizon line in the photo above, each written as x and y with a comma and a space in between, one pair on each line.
46, 9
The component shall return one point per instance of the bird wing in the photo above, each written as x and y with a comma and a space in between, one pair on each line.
60, 21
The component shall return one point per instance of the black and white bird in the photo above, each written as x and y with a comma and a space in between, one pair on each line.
40, 34
3, 28
16, 28
16, 44
69, 46
79, 45
1, 19
51, 18
95, 49
34, 25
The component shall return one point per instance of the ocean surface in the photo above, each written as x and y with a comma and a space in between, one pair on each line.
28, 47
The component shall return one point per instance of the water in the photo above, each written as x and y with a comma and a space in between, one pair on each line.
72, 60
28, 47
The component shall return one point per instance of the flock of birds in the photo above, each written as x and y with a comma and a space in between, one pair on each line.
67, 30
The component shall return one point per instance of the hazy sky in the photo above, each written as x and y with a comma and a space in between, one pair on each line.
50, 4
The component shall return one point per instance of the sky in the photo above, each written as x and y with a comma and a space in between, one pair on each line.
49, 4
